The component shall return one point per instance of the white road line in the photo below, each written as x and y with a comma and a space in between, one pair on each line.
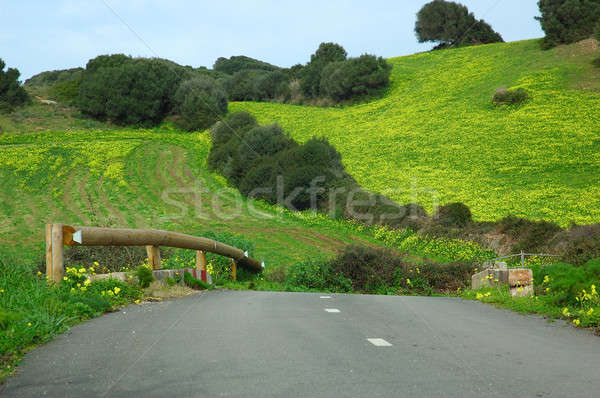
325, 297
379, 342
332, 310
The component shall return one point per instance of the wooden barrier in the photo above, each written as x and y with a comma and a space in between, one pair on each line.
58, 235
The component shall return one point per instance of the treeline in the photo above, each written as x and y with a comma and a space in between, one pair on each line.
329, 77
568, 21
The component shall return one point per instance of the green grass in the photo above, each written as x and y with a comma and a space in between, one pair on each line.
437, 130
158, 179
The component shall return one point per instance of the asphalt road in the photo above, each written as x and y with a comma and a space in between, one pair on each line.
263, 344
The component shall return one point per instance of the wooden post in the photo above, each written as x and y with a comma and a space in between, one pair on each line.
201, 260
49, 275
57, 253
154, 257
233, 270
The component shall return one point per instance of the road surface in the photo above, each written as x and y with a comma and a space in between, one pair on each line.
265, 344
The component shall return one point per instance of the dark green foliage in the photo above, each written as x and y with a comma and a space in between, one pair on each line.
355, 77
128, 91
568, 21
238, 63
12, 94
54, 77
199, 103
194, 283
378, 271
144, 276
529, 235
317, 275
454, 214
311, 74
450, 24
503, 96
264, 162
257, 85
243, 85
596, 62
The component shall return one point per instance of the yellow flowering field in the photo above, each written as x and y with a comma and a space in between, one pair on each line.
435, 135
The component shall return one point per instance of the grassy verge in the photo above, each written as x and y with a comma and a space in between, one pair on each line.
33, 311
561, 292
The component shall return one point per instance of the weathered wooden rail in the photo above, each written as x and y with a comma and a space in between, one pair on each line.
59, 235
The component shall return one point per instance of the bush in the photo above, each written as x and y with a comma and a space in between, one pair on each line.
12, 94
239, 63
310, 80
565, 282
199, 103
450, 24
503, 96
454, 215
66, 92
529, 235
355, 77
54, 77
128, 91
579, 244
596, 62
317, 275
144, 276
567, 21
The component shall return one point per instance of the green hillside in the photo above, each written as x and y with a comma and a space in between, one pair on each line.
437, 131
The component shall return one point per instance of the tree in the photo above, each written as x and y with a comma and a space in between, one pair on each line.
199, 103
311, 75
12, 94
568, 21
450, 24
237, 63
129, 91
355, 77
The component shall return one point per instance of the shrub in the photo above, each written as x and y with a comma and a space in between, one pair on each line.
311, 74
565, 282
567, 21
199, 103
144, 276
503, 96
318, 275
529, 235
455, 215
128, 91
238, 63
12, 94
596, 62
66, 92
54, 77
578, 245
450, 24
243, 85
355, 77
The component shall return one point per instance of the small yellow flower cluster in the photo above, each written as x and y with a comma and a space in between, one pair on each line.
480, 296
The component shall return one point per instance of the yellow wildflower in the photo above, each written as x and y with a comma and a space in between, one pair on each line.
576, 322
566, 312
117, 290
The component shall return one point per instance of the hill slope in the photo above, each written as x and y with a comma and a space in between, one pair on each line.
436, 135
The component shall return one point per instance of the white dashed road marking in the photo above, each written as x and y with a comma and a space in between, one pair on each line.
325, 297
379, 342
332, 310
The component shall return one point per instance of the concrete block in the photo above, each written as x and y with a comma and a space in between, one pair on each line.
500, 265
489, 278
520, 277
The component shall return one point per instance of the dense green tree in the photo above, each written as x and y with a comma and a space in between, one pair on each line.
199, 103
12, 94
129, 91
450, 24
355, 77
238, 63
568, 21
311, 74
